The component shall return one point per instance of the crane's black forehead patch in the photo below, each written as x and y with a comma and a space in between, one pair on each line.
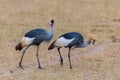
52, 21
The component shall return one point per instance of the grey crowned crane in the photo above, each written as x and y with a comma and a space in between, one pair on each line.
35, 37
69, 40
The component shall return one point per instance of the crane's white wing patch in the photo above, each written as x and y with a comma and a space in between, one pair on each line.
63, 41
27, 40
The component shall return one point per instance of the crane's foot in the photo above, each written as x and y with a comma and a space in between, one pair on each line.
21, 66
70, 67
61, 62
39, 67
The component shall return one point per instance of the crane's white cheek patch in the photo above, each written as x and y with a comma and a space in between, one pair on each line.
63, 42
27, 41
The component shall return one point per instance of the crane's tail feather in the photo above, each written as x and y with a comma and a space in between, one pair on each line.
52, 45
18, 46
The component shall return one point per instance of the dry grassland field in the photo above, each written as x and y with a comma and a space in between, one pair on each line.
95, 62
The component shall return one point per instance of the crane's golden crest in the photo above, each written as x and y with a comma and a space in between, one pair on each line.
92, 36
52, 17
23, 42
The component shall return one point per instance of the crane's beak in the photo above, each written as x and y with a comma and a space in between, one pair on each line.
93, 42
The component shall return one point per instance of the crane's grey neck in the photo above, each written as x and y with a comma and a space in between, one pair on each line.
85, 44
51, 33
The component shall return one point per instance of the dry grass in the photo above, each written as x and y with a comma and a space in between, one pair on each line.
99, 17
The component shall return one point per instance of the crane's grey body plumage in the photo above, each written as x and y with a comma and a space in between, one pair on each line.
39, 35
35, 32
78, 38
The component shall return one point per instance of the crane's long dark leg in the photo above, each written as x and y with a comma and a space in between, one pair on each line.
69, 58
20, 63
61, 59
37, 55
